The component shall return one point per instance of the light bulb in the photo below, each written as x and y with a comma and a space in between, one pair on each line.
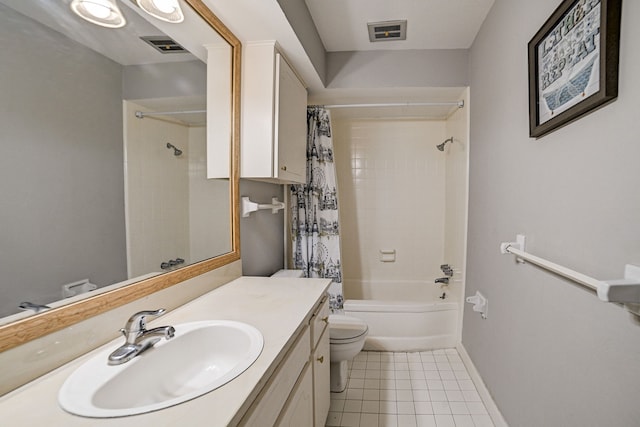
166, 6
165, 10
100, 12
97, 9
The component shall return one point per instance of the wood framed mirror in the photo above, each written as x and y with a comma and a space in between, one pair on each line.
136, 286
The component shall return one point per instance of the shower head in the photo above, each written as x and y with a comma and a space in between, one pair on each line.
441, 146
176, 150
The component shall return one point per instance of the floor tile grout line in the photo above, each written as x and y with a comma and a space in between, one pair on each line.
447, 395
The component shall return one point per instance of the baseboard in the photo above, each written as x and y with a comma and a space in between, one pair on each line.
408, 344
492, 408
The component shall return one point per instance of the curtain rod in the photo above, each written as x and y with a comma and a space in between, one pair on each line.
142, 114
458, 104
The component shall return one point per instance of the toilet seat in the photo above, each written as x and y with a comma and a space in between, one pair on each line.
345, 329
346, 339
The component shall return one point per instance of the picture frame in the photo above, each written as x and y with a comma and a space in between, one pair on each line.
573, 63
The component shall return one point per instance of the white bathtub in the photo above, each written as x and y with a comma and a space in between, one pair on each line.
406, 316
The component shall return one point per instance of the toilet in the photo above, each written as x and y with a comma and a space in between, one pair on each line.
346, 339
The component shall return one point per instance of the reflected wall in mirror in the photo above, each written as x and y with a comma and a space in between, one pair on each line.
104, 177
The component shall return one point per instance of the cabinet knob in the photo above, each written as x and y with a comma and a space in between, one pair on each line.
284, 168
325, 319
321, 359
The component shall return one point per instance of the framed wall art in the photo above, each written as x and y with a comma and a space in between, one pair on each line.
573, 63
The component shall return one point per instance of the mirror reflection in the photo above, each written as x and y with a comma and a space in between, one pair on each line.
103, 176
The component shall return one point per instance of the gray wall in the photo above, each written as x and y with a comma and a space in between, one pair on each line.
398, 68
262, 233
550, 352
165, 80
376, 68
300, 19
61, 169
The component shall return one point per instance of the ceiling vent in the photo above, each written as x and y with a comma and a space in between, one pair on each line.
164, 44
388, 30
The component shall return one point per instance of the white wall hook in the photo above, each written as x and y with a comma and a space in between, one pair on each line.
480, 304
248, 206
76, 288
625, 290
520, 244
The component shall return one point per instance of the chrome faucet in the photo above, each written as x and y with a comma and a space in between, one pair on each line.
442, 280
138, 338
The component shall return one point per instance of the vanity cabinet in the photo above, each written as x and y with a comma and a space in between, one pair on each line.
277, 393
320, 364
274, 117
283, 386
298, 394
298, 410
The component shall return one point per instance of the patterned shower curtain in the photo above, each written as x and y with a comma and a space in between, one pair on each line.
315, 231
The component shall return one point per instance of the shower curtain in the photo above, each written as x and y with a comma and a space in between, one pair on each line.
315, 230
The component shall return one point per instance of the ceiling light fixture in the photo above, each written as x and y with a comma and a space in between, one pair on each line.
165, 10
100, 12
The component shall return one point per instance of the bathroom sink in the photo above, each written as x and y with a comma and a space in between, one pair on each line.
201, 357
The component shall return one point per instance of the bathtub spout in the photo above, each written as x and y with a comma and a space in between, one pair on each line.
442, 280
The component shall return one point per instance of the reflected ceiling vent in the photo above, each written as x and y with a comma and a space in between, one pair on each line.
164, 44
388, 30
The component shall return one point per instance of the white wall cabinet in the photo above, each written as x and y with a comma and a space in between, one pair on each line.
219, 109
274, 117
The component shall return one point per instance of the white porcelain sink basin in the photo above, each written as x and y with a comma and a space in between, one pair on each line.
201, 357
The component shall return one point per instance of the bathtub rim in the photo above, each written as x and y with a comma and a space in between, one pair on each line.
387, 306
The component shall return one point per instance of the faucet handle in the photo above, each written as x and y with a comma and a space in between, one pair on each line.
137, 322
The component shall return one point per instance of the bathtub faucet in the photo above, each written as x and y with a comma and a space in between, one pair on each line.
442, 280
447, 270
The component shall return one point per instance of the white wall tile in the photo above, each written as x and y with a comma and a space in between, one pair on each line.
396, 200
158, 218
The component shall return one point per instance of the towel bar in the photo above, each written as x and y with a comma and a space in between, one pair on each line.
248, 206
625, 290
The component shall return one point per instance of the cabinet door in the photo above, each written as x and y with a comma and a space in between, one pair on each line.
321, 382
291, 125
298, 411
319, 322
269, 403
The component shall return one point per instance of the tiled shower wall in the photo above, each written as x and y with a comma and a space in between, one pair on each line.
457, 188
171, 206
157, 192
209, 203
391, 182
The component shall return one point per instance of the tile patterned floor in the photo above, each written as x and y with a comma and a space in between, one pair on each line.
426, 389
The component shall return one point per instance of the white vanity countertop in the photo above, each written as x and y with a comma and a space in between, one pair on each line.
278, 307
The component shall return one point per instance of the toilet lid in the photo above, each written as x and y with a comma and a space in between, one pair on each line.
342, 328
